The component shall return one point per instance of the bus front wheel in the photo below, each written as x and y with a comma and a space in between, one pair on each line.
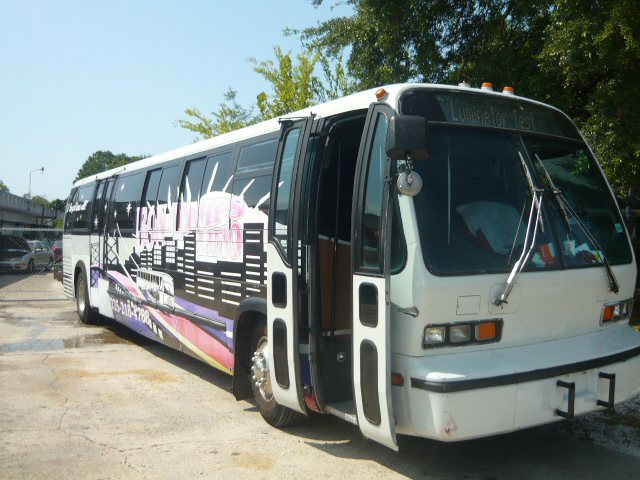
260, 379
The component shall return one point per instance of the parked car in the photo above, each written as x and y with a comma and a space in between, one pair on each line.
56, 248
20, 255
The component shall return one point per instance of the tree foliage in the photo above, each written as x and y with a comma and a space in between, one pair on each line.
582, 56
40, 200
3, 187
101, 161
294, 86
229, 116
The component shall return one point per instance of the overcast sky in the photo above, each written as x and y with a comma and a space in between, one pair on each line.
77, 76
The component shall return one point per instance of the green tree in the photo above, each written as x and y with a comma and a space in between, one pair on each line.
229, 116
3, 187
593, 49
41, 200
58, 204
294, 86
579, 55
101, 161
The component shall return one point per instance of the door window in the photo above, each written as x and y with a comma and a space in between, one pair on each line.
283, 189
371, 252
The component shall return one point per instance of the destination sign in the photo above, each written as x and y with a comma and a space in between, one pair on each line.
489, 111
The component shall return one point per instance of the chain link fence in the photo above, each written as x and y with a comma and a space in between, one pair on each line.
30, 264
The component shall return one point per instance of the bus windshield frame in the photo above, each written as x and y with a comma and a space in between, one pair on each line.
474, 206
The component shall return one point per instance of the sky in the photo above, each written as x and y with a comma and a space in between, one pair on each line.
78, 76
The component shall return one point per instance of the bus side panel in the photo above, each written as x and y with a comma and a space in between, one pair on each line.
181, 286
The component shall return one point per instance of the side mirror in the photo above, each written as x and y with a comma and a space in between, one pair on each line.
407, 136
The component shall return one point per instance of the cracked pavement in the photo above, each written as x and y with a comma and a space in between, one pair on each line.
101, 402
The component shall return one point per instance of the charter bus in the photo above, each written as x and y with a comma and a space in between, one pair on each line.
438, 261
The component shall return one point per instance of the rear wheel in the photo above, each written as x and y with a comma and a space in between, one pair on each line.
260, 379
82, 301
30, 266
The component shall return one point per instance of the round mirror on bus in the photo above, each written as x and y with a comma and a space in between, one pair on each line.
409, 183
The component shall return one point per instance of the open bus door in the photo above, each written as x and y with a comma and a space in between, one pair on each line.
283, 262
371, 253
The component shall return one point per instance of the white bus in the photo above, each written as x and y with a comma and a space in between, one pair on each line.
437, 261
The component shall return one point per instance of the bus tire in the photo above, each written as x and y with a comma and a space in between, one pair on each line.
86, 314
259, 377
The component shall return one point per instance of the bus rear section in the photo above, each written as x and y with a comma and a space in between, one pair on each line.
513, 308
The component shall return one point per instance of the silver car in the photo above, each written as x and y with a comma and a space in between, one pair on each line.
20, 255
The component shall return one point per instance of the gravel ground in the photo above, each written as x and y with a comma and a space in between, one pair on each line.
101, 402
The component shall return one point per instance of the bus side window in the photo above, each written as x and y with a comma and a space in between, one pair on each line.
258, 156
255, 192
82, 209
126, 201
107, 205
168, 195
216, 175
97, 207
68, 218
213, 212
190, 194
151, 188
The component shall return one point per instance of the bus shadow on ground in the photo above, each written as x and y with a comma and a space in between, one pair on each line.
561, 450
551, 451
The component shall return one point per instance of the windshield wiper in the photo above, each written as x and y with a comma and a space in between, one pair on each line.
529, 244
566, 207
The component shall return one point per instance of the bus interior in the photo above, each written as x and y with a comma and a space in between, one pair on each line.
333, 332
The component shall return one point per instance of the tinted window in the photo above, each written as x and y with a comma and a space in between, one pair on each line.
258, 155
68, 218
106, 204
283, 189
80, 209
370, 255
190, 193
127, 200
97, 208
216, 175
168, 190
151, 189
255, 191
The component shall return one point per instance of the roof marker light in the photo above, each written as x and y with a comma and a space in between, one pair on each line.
464, 84
509, 90
487, 86
381, 94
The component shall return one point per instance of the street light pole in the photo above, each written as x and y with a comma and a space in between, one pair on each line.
41, 169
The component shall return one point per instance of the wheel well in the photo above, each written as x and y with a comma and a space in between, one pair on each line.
244, 328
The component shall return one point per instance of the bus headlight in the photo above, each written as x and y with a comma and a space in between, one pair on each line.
460, 333
464, 333
434, 335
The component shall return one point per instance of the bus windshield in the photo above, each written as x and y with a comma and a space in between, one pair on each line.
473, 210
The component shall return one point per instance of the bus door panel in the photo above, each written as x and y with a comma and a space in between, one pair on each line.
283, 265
371, 256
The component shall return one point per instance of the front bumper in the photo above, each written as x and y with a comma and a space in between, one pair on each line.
468, 395
12, 265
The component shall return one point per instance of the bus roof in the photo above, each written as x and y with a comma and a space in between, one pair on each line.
356, 101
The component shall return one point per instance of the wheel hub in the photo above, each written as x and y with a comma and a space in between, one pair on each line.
260, 370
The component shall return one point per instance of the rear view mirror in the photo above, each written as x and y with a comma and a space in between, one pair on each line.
407, 137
